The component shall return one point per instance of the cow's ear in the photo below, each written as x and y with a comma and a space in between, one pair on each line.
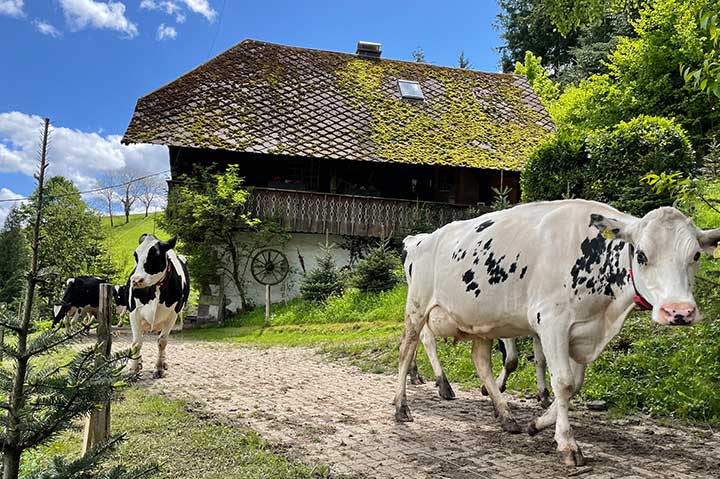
169, 244
142, 238
613, 227
708, 239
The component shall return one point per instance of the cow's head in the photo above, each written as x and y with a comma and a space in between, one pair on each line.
667, 248
151, 261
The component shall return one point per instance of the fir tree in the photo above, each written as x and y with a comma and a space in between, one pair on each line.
39, 398
13, 257
378, 270
463, 61
324, 280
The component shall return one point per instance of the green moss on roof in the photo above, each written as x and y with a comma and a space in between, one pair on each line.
273, 99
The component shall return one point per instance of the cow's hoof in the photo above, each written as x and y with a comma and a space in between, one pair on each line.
510, 425
402, 413
544, 399
158, 373
135, 366
484, 391
444, 389
416, 380
532, 428
572, 458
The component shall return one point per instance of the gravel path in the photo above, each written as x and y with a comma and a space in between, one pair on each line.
332, 413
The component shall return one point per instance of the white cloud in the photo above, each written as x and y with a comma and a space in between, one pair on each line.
81, 14
202, 7
165, 32
13, 8
6, 206
78, 155
46, 28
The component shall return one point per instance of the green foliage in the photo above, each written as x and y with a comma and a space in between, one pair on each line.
526, 26
555, 170
72, 235
324, 280
501, 197
463, 61
378, 270
546, 89
207, 211
706, 76
13, 257
621, 156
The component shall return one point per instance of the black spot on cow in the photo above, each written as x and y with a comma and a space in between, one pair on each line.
538, 317
472, 286
410, 270
487, 244
418, 243
463, 255
598, 266
512, 268
476, 261
523, 271
468, 276
496, 273
477, 292
403, 255
484, 225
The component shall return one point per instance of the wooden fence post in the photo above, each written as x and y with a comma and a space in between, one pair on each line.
97, 424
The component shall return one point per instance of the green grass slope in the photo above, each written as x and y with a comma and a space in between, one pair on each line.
122, 239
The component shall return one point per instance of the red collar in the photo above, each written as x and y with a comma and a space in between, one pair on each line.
640, 302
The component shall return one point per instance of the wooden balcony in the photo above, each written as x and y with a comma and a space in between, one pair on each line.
313, 212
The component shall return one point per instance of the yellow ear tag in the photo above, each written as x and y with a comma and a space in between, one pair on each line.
716, 253
607, 234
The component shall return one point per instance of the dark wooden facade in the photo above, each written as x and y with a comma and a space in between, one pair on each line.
313, 195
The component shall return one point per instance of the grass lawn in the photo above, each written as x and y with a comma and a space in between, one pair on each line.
163, 431
122, 239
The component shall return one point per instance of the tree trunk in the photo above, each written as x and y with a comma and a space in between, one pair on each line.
127, 210
147, 207
110, 212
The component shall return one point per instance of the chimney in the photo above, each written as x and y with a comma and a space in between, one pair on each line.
369, 49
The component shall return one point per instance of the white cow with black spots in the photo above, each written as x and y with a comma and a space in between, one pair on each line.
546, 270
441, 325
158, 291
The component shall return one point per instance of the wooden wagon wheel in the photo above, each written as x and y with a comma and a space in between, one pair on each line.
269, 267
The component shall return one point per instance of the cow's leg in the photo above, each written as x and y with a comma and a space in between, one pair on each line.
414, 322
71, 317
415, 378
161, 365
135, 364
508, 348
482, 357
562, 377
543, 394
444, 388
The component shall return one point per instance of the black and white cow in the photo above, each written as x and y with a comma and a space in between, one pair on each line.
80, 300
159, 290
121, 296
442, 325
547, 270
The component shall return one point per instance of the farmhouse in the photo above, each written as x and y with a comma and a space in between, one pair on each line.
343, 145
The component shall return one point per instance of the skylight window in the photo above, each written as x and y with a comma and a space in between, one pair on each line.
411, 89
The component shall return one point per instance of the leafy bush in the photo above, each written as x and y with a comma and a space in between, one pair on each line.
378, 271
620, 156
324, 280
555, 170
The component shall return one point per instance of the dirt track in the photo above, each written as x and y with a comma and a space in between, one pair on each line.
334, 414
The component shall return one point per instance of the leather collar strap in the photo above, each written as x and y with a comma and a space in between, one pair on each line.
160, 283
640, 302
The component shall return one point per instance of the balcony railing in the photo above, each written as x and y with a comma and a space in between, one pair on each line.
312, 212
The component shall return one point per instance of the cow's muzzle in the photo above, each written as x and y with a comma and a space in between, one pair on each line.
678, 314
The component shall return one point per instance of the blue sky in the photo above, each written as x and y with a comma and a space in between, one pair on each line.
84, 63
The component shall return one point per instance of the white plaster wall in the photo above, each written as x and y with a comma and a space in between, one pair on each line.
309, 247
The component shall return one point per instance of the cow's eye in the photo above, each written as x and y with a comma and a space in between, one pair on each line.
697, 256
641, 258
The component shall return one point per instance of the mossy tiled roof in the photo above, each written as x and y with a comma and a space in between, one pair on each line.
266, 98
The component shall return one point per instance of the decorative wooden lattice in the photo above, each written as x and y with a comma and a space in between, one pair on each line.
311, 212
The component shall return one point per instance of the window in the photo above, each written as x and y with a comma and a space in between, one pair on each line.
411, 89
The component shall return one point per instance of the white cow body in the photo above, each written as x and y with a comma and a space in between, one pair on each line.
544, 269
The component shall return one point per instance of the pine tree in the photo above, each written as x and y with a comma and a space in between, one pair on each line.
13, 257
378, 270
463, 61
39, 398
324, 280
418, 55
